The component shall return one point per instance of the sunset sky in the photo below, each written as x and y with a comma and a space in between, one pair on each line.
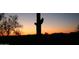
53, 22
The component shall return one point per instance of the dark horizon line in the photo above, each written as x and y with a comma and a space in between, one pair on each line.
41, 34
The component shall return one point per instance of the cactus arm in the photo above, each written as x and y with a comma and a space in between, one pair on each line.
35, 23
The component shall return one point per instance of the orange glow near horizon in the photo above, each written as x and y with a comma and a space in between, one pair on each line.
26, 31
53, 22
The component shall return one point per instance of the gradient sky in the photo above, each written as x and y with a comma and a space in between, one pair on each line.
53, 22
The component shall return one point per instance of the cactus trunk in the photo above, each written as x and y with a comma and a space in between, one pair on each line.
38, 23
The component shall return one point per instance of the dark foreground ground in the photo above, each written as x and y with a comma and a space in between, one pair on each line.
53, 39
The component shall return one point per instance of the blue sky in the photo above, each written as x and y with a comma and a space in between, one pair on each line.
53, 22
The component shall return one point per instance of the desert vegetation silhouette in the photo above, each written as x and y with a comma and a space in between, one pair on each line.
10, 25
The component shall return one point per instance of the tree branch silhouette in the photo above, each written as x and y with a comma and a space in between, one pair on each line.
10, 25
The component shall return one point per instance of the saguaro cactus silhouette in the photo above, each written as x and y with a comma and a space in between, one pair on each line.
38, 23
